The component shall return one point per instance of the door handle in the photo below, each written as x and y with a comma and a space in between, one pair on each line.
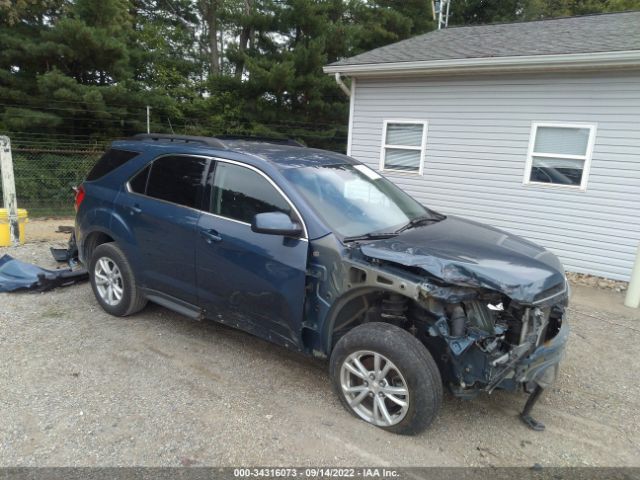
135, 210
210, 236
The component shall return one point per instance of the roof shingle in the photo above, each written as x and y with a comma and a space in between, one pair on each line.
587, 34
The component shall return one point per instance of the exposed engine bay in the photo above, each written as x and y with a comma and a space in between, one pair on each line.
477, 342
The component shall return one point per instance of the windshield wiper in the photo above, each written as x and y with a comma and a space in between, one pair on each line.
369, 236
421, 220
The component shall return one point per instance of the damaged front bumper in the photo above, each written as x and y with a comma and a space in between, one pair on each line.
541, 366
510, 365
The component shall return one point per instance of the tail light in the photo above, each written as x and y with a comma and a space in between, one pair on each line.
79, 196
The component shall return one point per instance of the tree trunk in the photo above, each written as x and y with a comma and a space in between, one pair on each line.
221, 51
212, 24
245, 36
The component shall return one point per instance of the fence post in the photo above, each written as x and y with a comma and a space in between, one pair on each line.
9, 189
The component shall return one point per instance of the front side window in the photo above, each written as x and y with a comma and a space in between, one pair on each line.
353, 199
403, 146
176, 179
560, 154
240, 193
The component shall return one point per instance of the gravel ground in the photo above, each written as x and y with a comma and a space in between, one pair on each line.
81, 388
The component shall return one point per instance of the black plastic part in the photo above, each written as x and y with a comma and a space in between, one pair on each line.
217, 142
274, 141
68, 255
60, 254
65, 229
526, 417
458, 321
168, 138
63, 279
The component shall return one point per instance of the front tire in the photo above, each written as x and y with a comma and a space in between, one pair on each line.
385, 376
113, 281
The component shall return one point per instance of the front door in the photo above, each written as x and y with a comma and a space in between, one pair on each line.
251, 280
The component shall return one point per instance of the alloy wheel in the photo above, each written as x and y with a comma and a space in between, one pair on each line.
108, 280
374, 388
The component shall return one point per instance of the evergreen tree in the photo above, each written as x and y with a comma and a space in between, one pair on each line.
89, 68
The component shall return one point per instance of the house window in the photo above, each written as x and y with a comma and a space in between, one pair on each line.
560, 154
403, 145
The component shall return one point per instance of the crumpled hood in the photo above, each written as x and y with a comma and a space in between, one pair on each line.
466, 253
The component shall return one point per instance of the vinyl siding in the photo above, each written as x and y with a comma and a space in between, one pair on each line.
477, 142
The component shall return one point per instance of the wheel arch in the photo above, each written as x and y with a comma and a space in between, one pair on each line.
344, 307
92, 241
111, 227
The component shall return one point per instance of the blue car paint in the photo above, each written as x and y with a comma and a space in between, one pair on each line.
263, 286
466, 253
270, 272
288, 290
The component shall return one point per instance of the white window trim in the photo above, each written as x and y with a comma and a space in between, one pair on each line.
585, 158
422, 148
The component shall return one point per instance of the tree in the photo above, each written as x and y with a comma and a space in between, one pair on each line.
83, 67
466, 12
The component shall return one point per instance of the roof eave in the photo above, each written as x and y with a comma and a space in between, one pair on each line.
574, 61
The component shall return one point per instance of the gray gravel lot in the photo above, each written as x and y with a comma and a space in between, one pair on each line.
81, 388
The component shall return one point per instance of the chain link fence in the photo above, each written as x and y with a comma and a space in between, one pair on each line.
46, 172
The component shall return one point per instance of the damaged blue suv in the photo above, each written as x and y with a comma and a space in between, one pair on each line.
318, 253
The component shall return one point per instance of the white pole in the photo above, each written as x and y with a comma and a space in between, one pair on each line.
446, 20
633, 293
148, 119
9, 189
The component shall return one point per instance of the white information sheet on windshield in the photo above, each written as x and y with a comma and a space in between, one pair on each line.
367, 171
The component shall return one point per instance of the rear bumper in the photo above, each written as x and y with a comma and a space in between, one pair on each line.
541, 366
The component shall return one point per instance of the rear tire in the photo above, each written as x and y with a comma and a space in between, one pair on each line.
113, 281
357, 367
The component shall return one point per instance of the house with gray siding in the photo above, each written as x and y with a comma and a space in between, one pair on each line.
532, 127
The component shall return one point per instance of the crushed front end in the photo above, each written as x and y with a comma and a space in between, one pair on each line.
487, 341
490, 307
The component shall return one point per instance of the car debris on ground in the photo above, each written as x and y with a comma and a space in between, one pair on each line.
16, 275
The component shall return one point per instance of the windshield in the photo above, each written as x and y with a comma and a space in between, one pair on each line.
353, 199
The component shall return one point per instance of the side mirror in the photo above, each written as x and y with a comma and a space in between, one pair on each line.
275, 223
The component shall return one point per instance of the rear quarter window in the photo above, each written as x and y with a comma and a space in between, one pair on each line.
112, 159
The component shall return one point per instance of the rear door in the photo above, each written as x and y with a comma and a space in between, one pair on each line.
162, 207
252, 280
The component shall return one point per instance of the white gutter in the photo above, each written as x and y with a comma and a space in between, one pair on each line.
352, 108
342, 85
622, 59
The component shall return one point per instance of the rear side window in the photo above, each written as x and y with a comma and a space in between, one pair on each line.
112, 159
240, 193
177, 179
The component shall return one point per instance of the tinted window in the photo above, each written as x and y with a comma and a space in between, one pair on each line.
111, 160
177, 179
241, 193
138, 183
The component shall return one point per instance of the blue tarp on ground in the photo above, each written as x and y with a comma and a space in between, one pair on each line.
18, 275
